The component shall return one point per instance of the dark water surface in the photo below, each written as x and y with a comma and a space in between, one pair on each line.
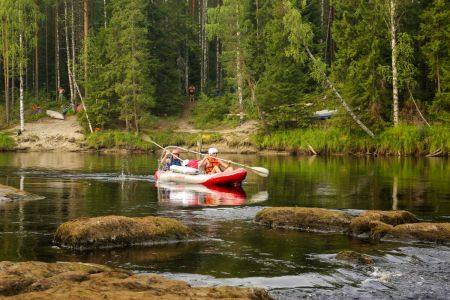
238, 252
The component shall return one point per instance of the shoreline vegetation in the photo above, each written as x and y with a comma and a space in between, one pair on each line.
403, 140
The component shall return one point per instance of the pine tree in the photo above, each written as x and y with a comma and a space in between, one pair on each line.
129, 60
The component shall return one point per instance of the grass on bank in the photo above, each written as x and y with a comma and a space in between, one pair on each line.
403, 140
115, 139
6, 142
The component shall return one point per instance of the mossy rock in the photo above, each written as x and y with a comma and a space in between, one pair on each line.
21, 277
119, 231
354, 257
37, 280
304, 218
362, 223
11, 194
427, 232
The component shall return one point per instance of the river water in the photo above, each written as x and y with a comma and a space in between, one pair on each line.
237, 251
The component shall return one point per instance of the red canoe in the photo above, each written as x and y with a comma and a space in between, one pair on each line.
234, 177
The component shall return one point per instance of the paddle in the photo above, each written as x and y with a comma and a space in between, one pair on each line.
257, 170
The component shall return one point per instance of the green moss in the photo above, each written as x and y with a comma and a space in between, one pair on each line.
116, 231
304, 218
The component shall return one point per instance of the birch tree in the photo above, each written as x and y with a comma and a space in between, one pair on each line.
300, 38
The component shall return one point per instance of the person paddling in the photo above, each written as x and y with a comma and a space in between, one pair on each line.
172, 159
213, 165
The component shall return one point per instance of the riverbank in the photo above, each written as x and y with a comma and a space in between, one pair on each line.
67, 136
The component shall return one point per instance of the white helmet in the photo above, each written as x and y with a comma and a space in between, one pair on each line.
212, 150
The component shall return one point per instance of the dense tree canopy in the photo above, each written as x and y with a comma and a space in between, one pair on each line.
131, 61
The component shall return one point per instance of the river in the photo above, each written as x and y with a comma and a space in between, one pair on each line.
237, 251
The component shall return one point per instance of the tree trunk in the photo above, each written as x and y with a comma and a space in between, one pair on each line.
393, 31
6, 70
58, 76
86, 31
36, 63
46, 50
72, 21
22, 119
186, 67
238, 67
104, 12
252, 86
66, 31
217, 65
346, 106
438, 75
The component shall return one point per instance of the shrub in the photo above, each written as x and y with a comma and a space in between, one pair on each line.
6, 142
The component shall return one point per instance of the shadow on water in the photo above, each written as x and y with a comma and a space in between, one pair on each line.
236, 251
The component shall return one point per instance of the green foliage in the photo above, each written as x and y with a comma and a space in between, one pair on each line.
211, 112
400, 140
440, 108
119, 140
166, 138
6, 142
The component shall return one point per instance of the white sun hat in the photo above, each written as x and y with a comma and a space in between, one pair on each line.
212, 150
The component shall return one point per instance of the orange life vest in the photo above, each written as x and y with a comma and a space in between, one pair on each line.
212, 162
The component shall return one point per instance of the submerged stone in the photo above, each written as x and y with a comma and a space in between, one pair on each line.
362, 223
119, 231
304, 218
38, 280
11, 194
354, 257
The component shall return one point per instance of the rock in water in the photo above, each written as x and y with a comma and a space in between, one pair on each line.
38, 280
354, 257
304, 218
119, 231
10, 194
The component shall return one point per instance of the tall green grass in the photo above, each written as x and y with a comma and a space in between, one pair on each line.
111, 139
400, 140
6, 142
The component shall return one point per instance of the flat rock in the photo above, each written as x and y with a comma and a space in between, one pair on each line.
38, 280
10, 194
304, 218
427, 232
362, 223
120, 231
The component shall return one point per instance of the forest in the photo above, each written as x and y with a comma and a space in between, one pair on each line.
381, 67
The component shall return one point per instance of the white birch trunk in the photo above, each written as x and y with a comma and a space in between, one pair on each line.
66, 30
22, 119
238, 66
393, 31
104, 12
58, 78
73, 53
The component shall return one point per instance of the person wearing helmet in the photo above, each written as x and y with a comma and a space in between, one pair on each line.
172, 159
212, 164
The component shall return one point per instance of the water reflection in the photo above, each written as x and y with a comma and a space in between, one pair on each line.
199, 195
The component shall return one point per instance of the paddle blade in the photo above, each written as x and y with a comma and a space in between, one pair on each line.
260, 171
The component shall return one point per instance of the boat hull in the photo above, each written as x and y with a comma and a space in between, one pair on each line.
234, 177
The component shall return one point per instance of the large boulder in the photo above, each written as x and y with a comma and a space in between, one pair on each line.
37, 280
304, 218
428, 232
10, 194
119, 231
362, 223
